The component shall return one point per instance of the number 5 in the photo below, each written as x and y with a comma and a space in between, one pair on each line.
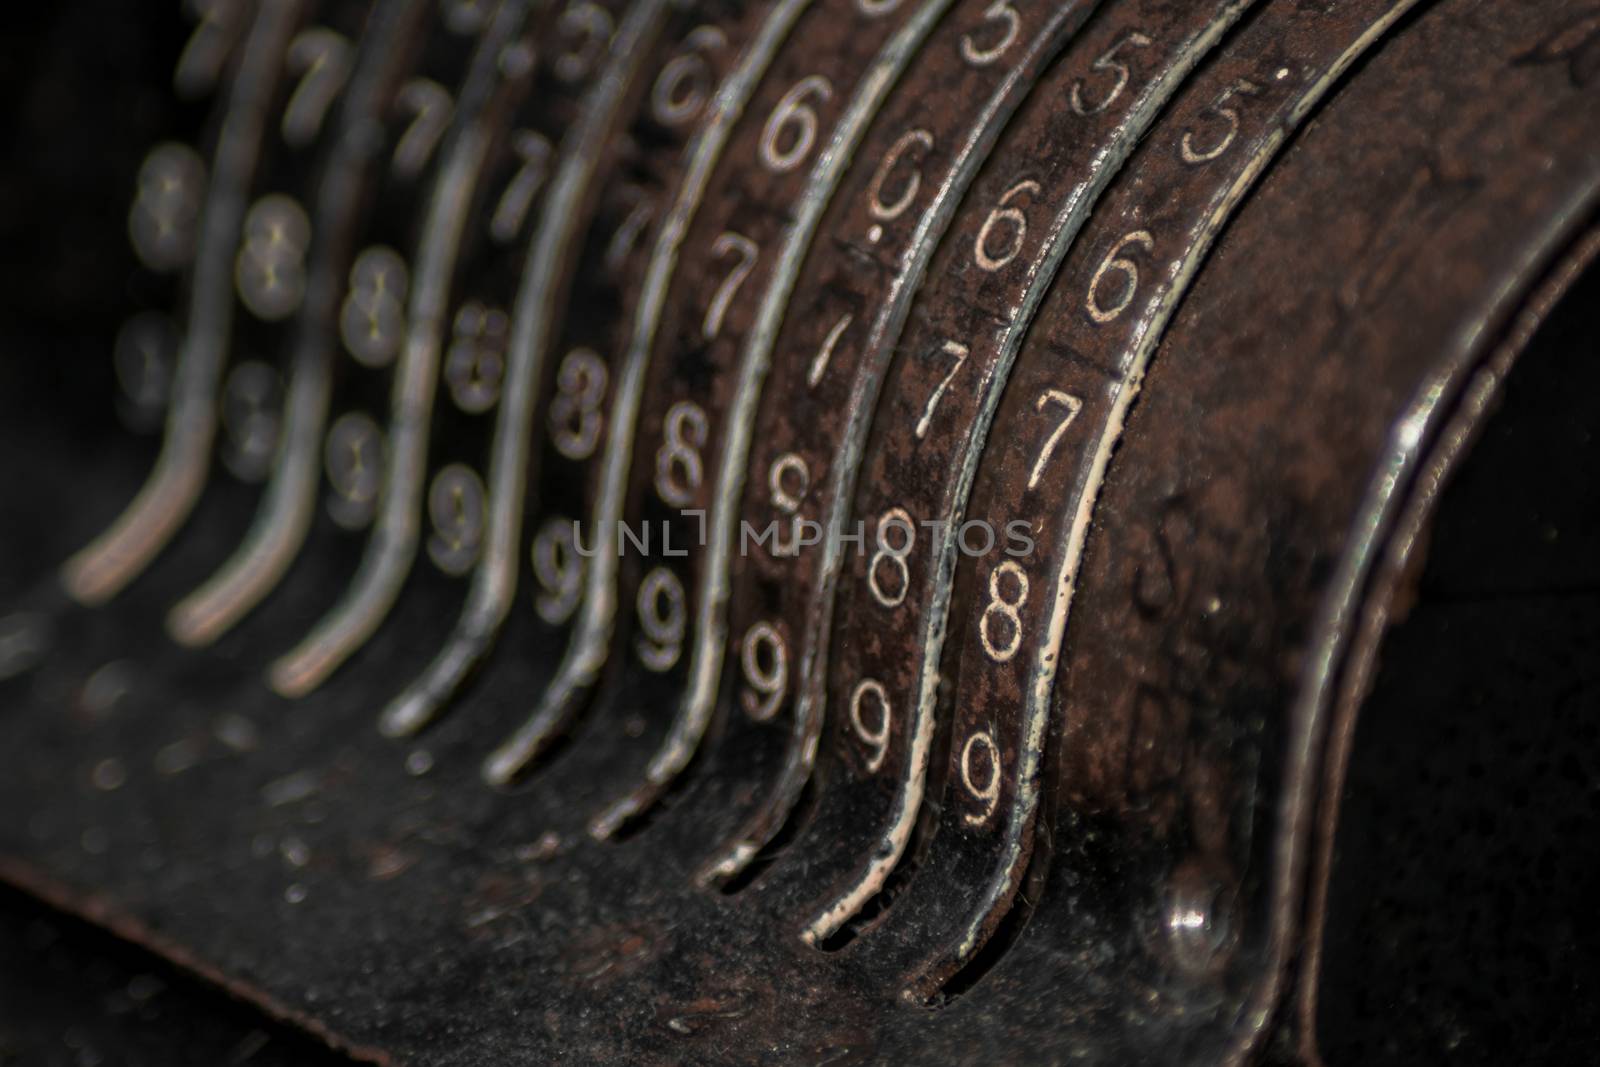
1108, 62
1229, 116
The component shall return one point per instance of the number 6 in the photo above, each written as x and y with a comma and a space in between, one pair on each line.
792, 111
1120, 264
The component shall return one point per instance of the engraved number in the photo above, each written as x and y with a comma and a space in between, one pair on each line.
558, 567
888, 211
575, 419
747, 252
765, 659
354, 460
590, 27
791, 129
662, 617
476, 363
1004, 609
1111, 64
876, 738
983, 55
960, 352
685, 83
271, 270
165, 215
322, 59
980, 752
429, 105
372, 320
1009, 218
1230, 121
457, 505
893, 557
679, 468
512, 210
1116, 263
1072, 405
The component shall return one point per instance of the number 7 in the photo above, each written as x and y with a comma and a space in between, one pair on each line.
1073, 406
960, 351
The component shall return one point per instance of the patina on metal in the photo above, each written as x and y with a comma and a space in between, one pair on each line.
494, 673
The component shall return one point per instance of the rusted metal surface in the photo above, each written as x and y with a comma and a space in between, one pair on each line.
1137, 337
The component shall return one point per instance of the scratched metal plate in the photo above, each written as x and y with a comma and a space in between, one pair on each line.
1211, 298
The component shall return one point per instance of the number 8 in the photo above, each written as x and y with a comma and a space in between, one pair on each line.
686, 434
896, 557
1008, 610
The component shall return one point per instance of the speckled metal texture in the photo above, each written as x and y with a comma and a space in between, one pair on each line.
806, 531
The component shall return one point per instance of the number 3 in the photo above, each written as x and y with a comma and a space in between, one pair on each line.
1000, 11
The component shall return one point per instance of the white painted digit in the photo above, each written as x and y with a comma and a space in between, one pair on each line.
1072, 405
1109, 62
251, 400
1011, 219
322, 60
145, 354
789, 479
217, 29
1230, 119
163, 222
791, 129
685, 83
270, 270
679, 467
819, 362
354, 460
465, 17
511, 212
981, 56
876, 206
429, 105
1005, 609
747, 252
558, 568
663, 616
475, 365
1117, 263
590, 27
458, 505
960, 352
875, 737
575, 419
765, 658
372, 319
893, 556
987, 794
627, 236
